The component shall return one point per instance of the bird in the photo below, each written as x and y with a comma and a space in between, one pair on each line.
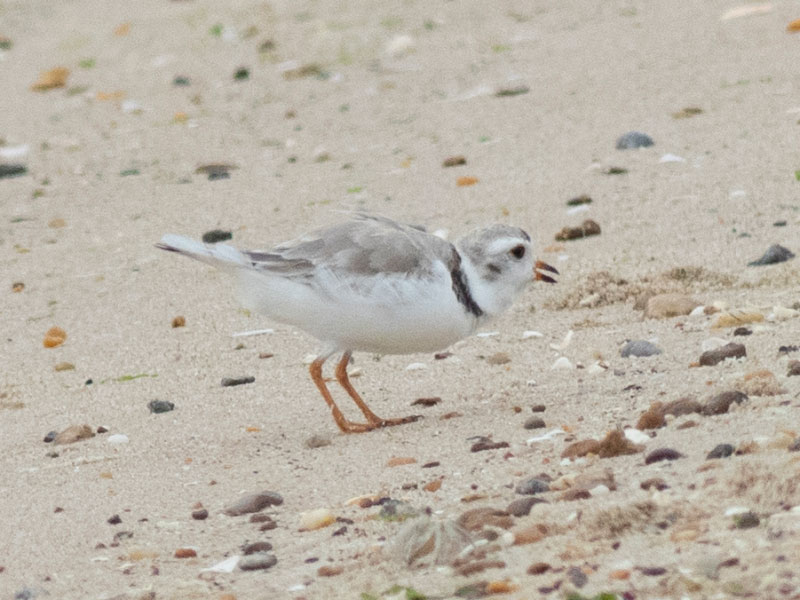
372, 284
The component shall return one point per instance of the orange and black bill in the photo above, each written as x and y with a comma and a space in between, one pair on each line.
543, 266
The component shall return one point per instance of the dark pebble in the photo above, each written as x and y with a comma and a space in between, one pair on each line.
442, 355
534, 423
521, 507
586, 229
780, 223
102, 429
721, 451
200, 514
160, 406
774, 254
720, 403
538, 568
747, 520
242, 74
575, 494
788, 349
716, 356
792, 371
180, 81
454, 161
639, 348
512, 91
253, 503
660, 454
114, 520
261, 518
795, 445
742, 331
50, 437
216, 235
430, 465
577, 577
259, 560
215, 170
652, 571
533, 485
577, 201
248, 549
12, 170
427, 402
537, 408
485, 443
634, 139
231, 381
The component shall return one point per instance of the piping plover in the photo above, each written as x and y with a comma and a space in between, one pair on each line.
371, 284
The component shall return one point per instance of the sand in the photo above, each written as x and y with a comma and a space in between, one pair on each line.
353, 106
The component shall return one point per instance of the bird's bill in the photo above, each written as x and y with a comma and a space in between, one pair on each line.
543, 266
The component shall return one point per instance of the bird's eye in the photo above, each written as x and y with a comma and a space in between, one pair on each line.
518, 251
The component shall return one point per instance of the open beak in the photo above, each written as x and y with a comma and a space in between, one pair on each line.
543, 266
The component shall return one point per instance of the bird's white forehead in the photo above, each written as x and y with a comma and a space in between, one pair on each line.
504, 243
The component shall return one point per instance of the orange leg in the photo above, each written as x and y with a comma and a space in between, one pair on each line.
373, 420
346, 426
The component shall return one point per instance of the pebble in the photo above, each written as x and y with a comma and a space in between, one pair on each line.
654, 482
533, 485
50, 437
118, 438
563, 363
538, 568
742, 331
534, 423
639, 348
478, 518
316, 519
454, 161
575, 494
200, 514
253, 503
579, 200
160, 406
577, 577
485, 443
633, 139
538, 408
774, 254
664, 306
587, 229
720, 403
329, 571
64, 366
746, 520
254, 547
793, 368
74, 433
521, 507
257, 561
216, 235
660, 454
114, 520
530, 534
179, 321
12, 170
720, 451
185, 553
427, 402
232, 381
730, 350
794, 446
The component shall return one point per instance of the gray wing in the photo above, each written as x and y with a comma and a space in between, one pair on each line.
363, 246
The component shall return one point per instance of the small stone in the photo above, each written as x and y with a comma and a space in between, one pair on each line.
575, 494
241, 74
521, 507
254, 547
746, 520
427, 402
454, 161
257, 561
185, 553
533, 485
487, 444
433, 486
215, 236
731, 350
50, 437
499, 358
538, 568
577, 577
8, 170
216, 171
64, 366
51, 79
232, 381
655, 482
17, 287
664, 306
179, 321
328, 571
793, 368
253, 503
74, 433
160, 406
530, 534
774, 254
579, 200
200, 514
720, 403
742, 331
720, 451
660, 454
794, 446
639, 348
55, 336
586, 229
537, 408
478, 518
398, 461
633, 139
316, 519
534, 423
180, 81
114, 520
652, 571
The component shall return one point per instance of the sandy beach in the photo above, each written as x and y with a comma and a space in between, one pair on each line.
125, 121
